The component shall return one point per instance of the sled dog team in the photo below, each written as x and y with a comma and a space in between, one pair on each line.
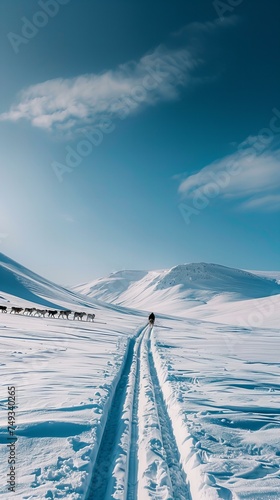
50, 313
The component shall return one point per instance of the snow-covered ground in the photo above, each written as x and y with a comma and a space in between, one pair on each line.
221, 388
208, 291
187, 410
64, 373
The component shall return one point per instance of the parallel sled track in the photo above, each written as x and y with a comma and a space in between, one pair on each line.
103, 484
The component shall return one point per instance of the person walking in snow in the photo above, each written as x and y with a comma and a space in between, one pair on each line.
152, 318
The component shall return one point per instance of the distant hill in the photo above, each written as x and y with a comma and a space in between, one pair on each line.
180, 289
204, 291
18, 282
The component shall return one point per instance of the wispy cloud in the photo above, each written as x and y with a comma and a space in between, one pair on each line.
250, 175
67, 103
75, 101
270, 202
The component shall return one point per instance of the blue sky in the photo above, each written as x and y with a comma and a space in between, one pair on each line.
139, 135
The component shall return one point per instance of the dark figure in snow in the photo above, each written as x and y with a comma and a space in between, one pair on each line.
152, 318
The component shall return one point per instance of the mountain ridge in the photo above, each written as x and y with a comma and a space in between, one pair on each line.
191, 285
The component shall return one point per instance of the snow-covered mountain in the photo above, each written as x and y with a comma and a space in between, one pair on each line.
274, 275
124, 401
111, 287
18, 282
182, 288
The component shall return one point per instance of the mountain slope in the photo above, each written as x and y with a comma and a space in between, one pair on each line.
177, 290
109, 288
18, 282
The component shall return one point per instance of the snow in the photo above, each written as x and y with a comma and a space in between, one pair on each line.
190, 290
188, 409
65, 374
17, 282
268, 274
154, 471
222, 393
119, 282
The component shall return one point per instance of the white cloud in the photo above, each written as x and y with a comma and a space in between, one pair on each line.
251, 175
75, 103
68, 103
269, 203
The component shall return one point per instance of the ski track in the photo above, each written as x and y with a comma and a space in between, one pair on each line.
138, 457
133, 461
104, 463
104, 484
177, 474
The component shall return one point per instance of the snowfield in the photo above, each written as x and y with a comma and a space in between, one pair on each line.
65, 373
221, 388
187, 410
207, 291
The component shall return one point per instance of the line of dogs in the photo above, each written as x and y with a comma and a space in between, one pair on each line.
49, 313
